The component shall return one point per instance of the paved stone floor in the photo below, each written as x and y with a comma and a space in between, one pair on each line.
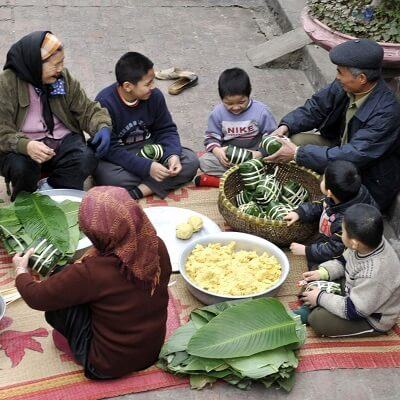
204, 36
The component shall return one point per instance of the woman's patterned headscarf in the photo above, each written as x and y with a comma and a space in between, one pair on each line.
117, 225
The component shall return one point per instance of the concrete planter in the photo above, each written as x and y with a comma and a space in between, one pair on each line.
327, 38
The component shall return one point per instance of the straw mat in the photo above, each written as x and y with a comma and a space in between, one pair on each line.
32, 368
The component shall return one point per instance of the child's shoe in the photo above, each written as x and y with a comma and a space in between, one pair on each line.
207, 180
304, 312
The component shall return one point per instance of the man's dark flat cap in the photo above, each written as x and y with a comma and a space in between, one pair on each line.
358, 53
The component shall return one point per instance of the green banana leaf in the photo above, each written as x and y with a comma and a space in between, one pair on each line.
264, 325
288, 383
179, 340
274, 358
203, 364
42, 217
9, 220
71, 211
200, 381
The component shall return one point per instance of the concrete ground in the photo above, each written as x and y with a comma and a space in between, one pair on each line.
204, 36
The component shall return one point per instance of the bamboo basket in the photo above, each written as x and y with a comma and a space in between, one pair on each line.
275, 231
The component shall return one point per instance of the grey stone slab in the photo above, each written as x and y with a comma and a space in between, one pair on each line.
278, 47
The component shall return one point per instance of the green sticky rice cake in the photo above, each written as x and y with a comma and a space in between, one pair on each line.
152, 152
267, 190
243, 197
293, 193
238, 155
251, 172
270, 144
251, 208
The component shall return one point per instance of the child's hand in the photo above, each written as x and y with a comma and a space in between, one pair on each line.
310, 276
291, 218
158, 172
219, 152
309, 298
298, 249
174, 165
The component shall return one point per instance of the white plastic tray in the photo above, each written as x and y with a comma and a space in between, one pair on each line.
165, 220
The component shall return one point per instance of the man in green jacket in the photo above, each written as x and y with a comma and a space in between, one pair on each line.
43, 114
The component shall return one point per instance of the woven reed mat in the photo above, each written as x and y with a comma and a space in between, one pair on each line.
32, 368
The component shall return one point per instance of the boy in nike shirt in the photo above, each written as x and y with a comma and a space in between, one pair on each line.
238, 120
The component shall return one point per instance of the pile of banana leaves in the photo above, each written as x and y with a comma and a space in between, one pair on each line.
240, 342
35, 216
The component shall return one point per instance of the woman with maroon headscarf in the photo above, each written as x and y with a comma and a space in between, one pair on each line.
111, 307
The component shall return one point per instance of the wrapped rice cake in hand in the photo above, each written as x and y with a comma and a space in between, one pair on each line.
270, 144
152, 152
238, 155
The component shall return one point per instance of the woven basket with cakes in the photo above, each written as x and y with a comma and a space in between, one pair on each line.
254, 197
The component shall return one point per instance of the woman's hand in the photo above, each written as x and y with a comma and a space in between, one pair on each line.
21, 262
39, 152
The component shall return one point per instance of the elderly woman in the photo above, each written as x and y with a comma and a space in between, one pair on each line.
43, 113
111, 307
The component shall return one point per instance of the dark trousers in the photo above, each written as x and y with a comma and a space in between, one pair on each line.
75, 324
71, 165
324, 323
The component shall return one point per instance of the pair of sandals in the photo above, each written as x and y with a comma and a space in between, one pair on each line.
184, 79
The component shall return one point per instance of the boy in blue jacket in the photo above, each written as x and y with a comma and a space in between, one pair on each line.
140, 117
341, 185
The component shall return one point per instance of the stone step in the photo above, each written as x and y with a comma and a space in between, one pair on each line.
278, 47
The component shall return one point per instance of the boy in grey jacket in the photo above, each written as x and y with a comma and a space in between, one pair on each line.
370, 304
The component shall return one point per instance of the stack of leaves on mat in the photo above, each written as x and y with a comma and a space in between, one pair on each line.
152, 152
238, 155
240, 342
251, 172
37, 220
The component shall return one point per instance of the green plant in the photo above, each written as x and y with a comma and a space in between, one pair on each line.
378, 20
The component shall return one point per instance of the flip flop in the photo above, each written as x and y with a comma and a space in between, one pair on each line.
183, 83
173, 73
